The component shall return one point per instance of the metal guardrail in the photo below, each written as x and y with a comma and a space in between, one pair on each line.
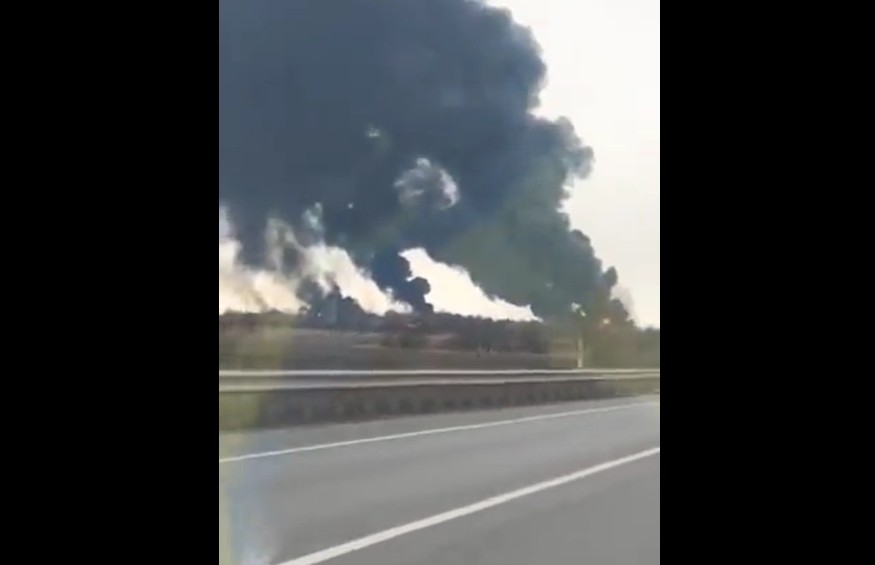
267, 399
266, 380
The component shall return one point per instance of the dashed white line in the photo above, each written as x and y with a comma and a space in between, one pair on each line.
421, 433
387, 535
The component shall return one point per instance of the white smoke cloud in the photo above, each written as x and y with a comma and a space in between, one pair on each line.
427, 183
329, 267
246, 290
249, 290
453, 291
243, 289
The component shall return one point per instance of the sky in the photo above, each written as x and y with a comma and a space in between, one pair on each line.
602, 61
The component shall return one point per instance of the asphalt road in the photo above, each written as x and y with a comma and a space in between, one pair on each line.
560, 484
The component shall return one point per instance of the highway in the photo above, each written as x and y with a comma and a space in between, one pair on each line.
567, 483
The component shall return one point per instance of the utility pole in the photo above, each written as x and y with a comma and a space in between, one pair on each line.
579, 317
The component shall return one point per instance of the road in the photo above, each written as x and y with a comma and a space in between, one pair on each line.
563, 484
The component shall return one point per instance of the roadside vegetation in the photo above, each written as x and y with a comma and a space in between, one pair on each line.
283, 341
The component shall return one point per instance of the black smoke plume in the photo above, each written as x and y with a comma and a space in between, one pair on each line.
408, 122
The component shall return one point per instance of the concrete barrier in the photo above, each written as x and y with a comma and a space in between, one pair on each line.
261, 400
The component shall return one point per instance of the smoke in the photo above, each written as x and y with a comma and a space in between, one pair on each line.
427, 185
243, 289
624, 296
453, 291
246, 289
405, 124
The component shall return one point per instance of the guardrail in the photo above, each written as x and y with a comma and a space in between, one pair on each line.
264, 399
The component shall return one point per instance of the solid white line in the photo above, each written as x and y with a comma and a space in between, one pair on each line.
322, 447
384, 536
428, 372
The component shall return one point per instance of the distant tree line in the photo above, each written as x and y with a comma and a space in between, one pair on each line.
607, 342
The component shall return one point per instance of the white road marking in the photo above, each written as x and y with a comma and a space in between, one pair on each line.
384, 536
323, 447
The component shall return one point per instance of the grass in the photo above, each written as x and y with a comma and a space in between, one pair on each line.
286, 348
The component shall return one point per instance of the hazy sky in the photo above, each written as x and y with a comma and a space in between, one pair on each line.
603, 73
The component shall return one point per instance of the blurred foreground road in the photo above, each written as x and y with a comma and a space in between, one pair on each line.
563, 484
